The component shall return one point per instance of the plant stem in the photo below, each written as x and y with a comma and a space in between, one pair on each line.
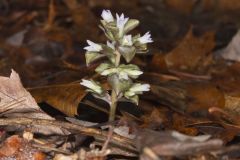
113, 106
114, 99
117, 59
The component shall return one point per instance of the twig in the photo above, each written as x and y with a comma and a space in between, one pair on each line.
98, 134
47, 148
110, 134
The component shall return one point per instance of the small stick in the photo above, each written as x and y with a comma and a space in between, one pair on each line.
115, 139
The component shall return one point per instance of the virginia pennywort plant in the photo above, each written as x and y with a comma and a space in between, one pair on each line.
120, 44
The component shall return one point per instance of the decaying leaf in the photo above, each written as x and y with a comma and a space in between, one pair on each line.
63, 97
15, 147
232, 51
190, 51
16, 101
232, 104
181, 5
203, 96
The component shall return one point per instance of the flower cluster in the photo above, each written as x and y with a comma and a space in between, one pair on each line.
120, 44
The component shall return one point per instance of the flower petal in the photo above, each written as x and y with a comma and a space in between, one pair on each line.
107, 16
92, 86
93, 47
146, 38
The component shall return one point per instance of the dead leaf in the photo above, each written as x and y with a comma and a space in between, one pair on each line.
190, 51
181, 6
17, 102
203, 96
232, 51
155, 119
232, 105
15, 147
180, 124
64, 97
172, 143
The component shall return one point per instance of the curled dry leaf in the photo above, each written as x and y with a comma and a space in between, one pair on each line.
64, 97
16, 101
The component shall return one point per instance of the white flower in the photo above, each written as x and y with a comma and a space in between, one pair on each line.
140, 87
123, 75
92, 85
133, 72
137, 89
127, 40
121, 21
111, 45
107, 16
93, 47
109, 71
146, 38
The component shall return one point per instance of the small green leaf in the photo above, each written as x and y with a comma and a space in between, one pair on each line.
130, 25
107, 33
134, 99
92, 86
102, 67
130, 70
92, 56
127, 52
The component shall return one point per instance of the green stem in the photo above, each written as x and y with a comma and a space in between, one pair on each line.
114, 95
117, 59
113, 106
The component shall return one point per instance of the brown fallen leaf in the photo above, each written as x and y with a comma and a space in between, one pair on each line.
64, 97
232, 105
180, 123
190, 52
181, 6
16, 101
15, 147
155, 119
203, 96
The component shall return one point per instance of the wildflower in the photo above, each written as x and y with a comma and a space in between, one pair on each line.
146, 38
111, 45
127, 40
121, 21
137, 89
123, 71
93, 47
93, 86
133, 73
107, 16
